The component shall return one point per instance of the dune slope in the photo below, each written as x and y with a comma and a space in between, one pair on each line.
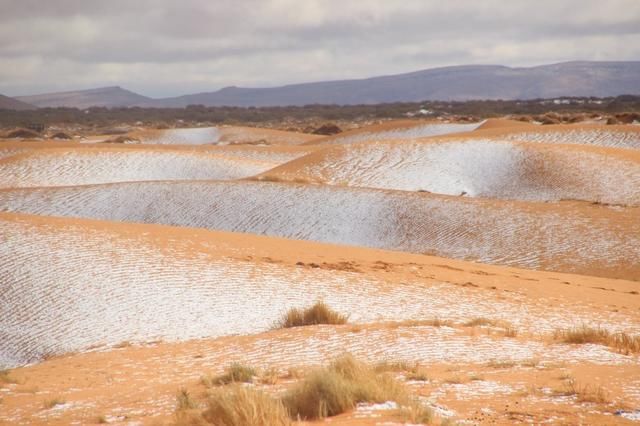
570, 237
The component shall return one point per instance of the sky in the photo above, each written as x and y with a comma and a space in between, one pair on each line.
164, 48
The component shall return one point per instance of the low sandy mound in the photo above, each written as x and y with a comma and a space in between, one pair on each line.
62, 167
9, 148
272, 154
222, 135
618, 136
501, 123
150, 282
401, 129
476, 168
569, 237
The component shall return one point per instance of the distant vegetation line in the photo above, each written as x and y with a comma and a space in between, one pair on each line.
102, 116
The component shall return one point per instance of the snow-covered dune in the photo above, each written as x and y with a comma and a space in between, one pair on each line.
476, 168
396, 130
222, 135
568, 237
70, 285
618, 136
61, 167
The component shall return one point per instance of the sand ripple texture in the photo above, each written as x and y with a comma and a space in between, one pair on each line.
567, 237
608, 136
477, 168
396, 130
72, 285
62, 167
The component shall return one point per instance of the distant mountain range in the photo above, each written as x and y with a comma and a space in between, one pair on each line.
458, 83
11, 103
104, 96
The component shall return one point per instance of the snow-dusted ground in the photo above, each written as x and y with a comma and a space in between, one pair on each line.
195, 136
601, 137
569, 238
67, 288
418, 131
477, 168
53, 167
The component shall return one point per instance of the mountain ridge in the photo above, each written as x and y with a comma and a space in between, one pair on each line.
452, 83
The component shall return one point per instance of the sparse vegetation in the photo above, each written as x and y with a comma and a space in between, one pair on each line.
584, 334
242, 406
339, 387
584, 393
235, 373
480, 322
319, 313
436, 322
623, 108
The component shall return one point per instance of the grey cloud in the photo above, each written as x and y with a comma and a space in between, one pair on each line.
163, 47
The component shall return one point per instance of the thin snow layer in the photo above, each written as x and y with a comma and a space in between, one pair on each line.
72, 287
477, 168
569, 238
277, 155
84, 167
419, 131
600, 137
195, 136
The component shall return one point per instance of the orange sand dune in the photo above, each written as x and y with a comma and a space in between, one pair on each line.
478, 167
145, 281
395, 129
62, 166
566, 236
222, 135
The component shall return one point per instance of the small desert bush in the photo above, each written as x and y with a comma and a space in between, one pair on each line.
319, 313
235, 373
601, 336
242, 406
339, 387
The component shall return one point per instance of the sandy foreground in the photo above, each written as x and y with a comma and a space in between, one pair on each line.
129, 272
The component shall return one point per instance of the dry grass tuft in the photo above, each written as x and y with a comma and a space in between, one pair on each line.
436, 322
5, 377
235, 373
339, 387
393, 366
270, 376
242, 406
584, 393
479, 322
319, 313
50, 403
184, 401
417, 413
584, 334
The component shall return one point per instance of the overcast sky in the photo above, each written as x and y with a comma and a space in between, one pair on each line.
166, 47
